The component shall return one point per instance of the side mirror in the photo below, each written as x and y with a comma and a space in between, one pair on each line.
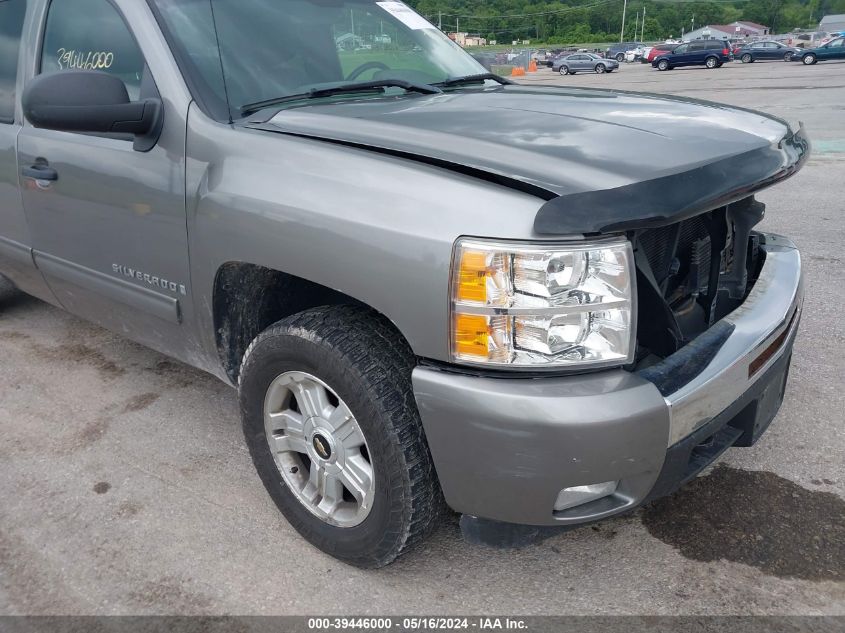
91, 101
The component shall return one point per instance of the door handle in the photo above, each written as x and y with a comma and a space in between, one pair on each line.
40, 172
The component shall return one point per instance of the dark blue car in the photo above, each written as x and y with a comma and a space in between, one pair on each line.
709, 53
766, 50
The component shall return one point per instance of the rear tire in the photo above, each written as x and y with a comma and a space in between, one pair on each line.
747, 59
711, 62
564, 70
364, 368
620, 57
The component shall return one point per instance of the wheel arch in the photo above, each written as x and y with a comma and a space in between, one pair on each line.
248, 298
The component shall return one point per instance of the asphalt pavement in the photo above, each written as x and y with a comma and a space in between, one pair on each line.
126, 487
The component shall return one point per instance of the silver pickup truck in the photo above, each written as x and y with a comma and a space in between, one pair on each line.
330, 206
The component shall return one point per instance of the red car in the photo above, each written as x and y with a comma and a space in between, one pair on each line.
658, 49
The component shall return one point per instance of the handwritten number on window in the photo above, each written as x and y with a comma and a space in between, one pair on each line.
82, 60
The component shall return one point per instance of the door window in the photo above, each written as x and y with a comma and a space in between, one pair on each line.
11, 25
91, 35
837, 43
682, 48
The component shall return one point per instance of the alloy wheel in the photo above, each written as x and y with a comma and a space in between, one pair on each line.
319, 449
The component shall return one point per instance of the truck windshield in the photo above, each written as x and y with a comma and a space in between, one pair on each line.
240, 52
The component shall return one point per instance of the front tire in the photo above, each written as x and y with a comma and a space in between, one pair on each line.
330, 420
601, 69
809, 60
663, 65
711, 62
747, 59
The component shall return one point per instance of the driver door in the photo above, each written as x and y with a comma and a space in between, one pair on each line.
680, 55
108, 221
836, 49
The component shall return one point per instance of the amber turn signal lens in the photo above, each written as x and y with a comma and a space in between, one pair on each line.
472, 277
471, 335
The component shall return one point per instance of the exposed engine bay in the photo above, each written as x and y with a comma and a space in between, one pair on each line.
693, 273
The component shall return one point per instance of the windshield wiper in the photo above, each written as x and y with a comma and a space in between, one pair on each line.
472, 79
377, 85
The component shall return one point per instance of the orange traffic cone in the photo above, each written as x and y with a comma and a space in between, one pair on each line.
532, 67
517, 71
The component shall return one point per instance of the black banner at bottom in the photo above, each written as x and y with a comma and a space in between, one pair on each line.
408, 624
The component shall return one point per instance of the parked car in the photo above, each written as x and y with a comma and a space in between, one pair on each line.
709, 53
657, 49
831, 36
765, 50
412, 314
617, 51
834, 49
584, 62
634, 54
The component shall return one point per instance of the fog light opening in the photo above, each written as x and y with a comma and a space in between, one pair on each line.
579, 495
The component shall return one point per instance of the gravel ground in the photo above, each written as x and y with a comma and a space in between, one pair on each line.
127, 489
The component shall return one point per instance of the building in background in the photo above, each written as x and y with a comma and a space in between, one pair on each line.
465, 39
833, 23
737, 30
757, 29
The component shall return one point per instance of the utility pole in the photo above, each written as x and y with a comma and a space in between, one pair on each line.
440, 20
624, 8
636, 23
458, 26
642, 27
693, 23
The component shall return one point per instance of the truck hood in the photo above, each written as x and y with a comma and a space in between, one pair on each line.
604, 161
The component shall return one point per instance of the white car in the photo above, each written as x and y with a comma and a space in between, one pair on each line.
634, 54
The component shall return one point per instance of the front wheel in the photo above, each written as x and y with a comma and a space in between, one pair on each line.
330, 421
711, 62
809, 60
601, 69
747, 59
663, 65
563, 70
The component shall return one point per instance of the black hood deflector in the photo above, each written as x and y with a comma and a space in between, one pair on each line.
674, 198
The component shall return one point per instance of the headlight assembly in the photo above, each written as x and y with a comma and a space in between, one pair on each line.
538, 305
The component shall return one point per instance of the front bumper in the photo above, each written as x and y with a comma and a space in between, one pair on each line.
505, 447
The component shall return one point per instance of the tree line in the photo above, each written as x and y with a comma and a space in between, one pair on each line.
579, 21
